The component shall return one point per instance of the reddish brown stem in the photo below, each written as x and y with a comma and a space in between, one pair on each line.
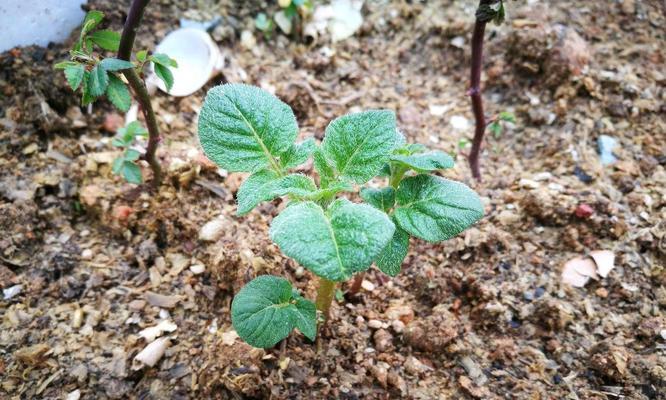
475, 94
138, 86
356, 285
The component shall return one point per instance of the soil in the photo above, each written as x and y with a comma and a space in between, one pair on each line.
485, 315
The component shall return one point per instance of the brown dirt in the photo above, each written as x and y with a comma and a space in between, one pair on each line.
485, 315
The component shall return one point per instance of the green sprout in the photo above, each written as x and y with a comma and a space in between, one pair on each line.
246, 129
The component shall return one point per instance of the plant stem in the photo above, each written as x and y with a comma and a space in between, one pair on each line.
138, 86
356, 285
325, 294
475, 92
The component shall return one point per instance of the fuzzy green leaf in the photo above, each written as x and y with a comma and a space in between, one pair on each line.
244, 128
266, 185
323, 167
97, 81
390, 259
74, 75
425, 162
118, 93
435, 209
255, 189
108, 40
266, 310
358, 145
382, 199
115, 64
297, 154
295, 185
336, 243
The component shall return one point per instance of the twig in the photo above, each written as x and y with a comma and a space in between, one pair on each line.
139, 88
475, 88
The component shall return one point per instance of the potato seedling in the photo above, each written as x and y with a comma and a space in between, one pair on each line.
96, 75
246, 129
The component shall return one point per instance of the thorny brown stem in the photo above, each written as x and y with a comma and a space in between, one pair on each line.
475, 91
139, 87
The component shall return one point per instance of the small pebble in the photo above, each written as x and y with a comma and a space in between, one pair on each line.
198, 269
375, 324
87, 255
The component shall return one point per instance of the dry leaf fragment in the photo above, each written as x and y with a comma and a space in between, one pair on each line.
160, 300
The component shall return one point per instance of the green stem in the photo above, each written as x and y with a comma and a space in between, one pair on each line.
325, 295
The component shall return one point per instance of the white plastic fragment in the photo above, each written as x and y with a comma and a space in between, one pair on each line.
11, 291
151, 333
74, 395
198, 58
459, 122
152, 353
342, 18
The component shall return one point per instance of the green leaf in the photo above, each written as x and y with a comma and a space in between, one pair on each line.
382, 199
141, 55
108, 40
117, 164
244, 128
163, 60
86, 97
495, 128
295, 185
118, 93
262, 22
92, 19
115, 64
336, 243
74, 75
324, 168
266, 185
127, 134
330, 191
390, 259
132, 172
297, 154
97, 81
359, 144
65, 64
266, 310
507, 116
425, 162
165, 75
435, 209
255, 189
